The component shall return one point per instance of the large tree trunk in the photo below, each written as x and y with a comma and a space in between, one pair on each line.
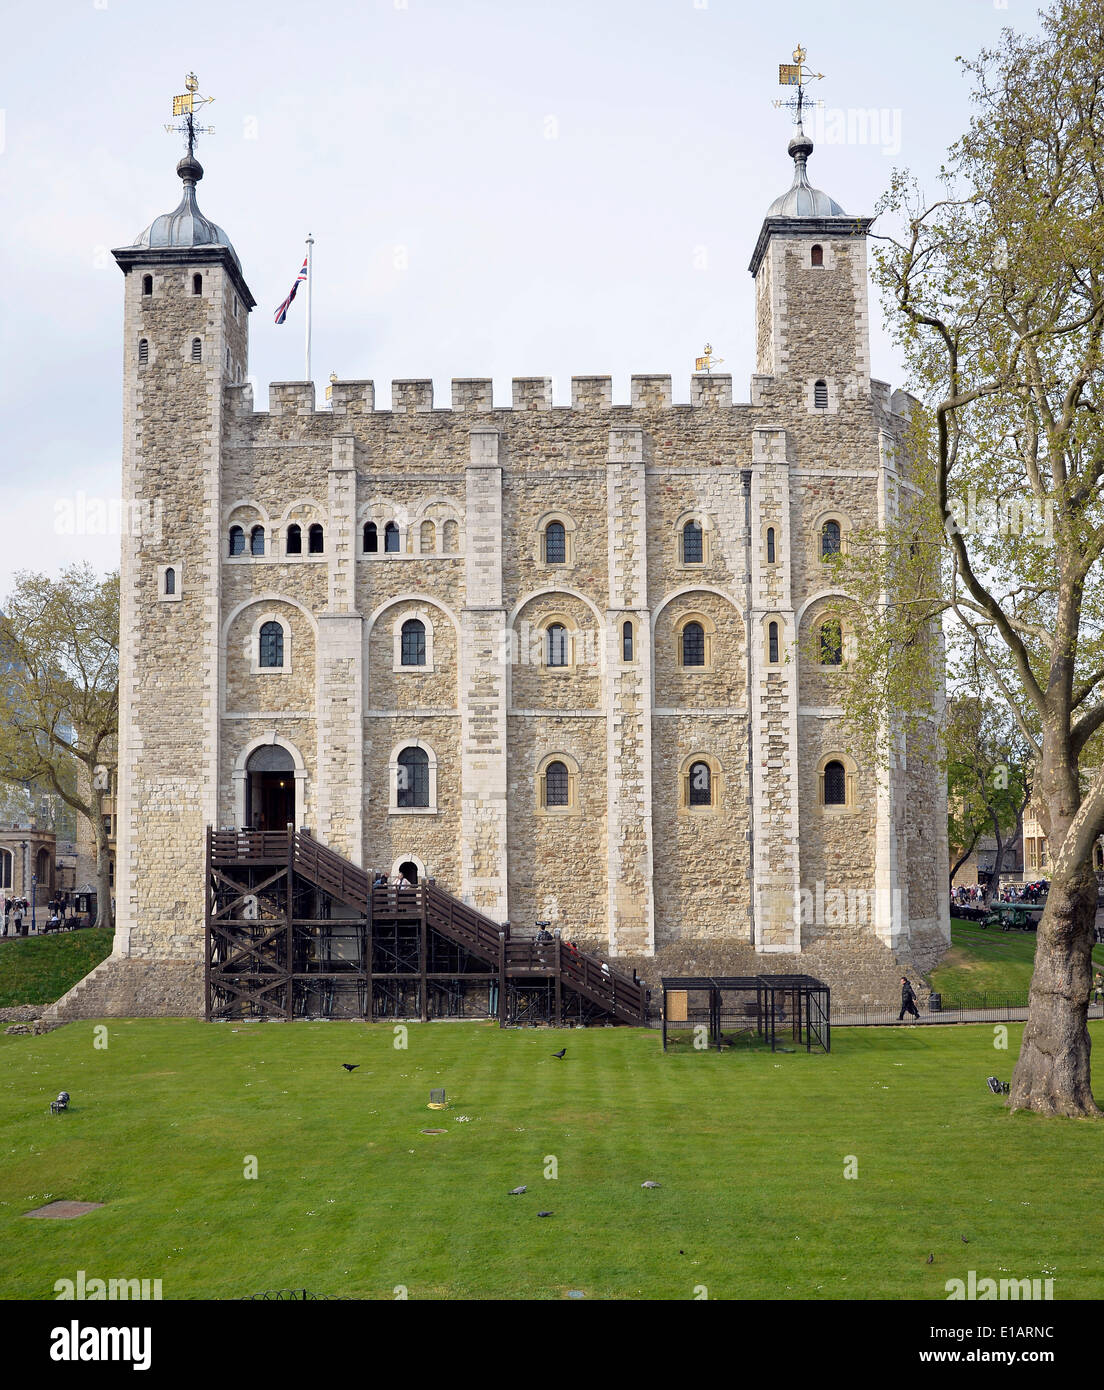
1052, 1073
104, 916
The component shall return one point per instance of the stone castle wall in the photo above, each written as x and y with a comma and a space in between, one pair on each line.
631, 864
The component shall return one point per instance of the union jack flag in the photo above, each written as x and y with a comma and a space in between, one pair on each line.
281, 312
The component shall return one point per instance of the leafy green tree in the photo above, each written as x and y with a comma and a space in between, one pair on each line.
996, 290
988, 780
60, 712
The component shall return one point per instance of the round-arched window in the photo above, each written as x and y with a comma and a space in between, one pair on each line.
693, 645
413, 642
413, 778
835, 784
271, 654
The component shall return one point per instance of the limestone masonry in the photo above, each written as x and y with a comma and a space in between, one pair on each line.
581, 664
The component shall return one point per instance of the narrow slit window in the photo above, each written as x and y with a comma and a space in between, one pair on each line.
197, 283
817, 257
147, 284
772, 643
770, 545
627, 641
197, 349
829, 540
170, 581
143, 350
820, 395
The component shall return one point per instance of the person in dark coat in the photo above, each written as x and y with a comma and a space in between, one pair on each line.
908, 1000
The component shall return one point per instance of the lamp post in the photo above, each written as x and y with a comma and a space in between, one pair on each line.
34, 897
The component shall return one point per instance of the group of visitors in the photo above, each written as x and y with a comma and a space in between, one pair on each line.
399, 880
969, 894
61, 911
16, 911
1024, 892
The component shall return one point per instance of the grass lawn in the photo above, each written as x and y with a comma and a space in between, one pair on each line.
39, 969
352, 1199
989, 960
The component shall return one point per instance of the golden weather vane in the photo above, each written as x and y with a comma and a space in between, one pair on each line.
796, 74
707, 361
186, 106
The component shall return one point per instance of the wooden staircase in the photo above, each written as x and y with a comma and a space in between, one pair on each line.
544, 981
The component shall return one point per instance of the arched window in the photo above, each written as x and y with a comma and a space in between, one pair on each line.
831, 642
197, 283
391, 538
835, 784
413, 643
143, 349
692, 553
693, 645
294, 540
772, 643
817, 256
428, 540
829, 540
147, 284
5, 868
256, 541
170, 581
770, 545
413, 778
555, 543
271, 653
557, 786
451, 538
700, 788
371, 539
556, 645
237, 540
820, 395
626, 641
43, 869
315, 539
197, 349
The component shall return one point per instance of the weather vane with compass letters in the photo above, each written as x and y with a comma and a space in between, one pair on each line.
796, 74
186, 106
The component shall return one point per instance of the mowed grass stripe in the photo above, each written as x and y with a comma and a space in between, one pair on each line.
749, 1147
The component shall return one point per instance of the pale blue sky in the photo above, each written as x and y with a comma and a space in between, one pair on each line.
495, 189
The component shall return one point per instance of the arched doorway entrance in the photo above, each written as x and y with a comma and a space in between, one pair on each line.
269, 788
409, 871
43, 871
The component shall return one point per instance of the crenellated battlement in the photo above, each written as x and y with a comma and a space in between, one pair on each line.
414, 396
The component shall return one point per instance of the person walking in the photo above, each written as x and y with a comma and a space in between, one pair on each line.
1098, 987
17, 919
908, 1000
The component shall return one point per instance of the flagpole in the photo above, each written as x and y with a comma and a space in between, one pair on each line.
310, 282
